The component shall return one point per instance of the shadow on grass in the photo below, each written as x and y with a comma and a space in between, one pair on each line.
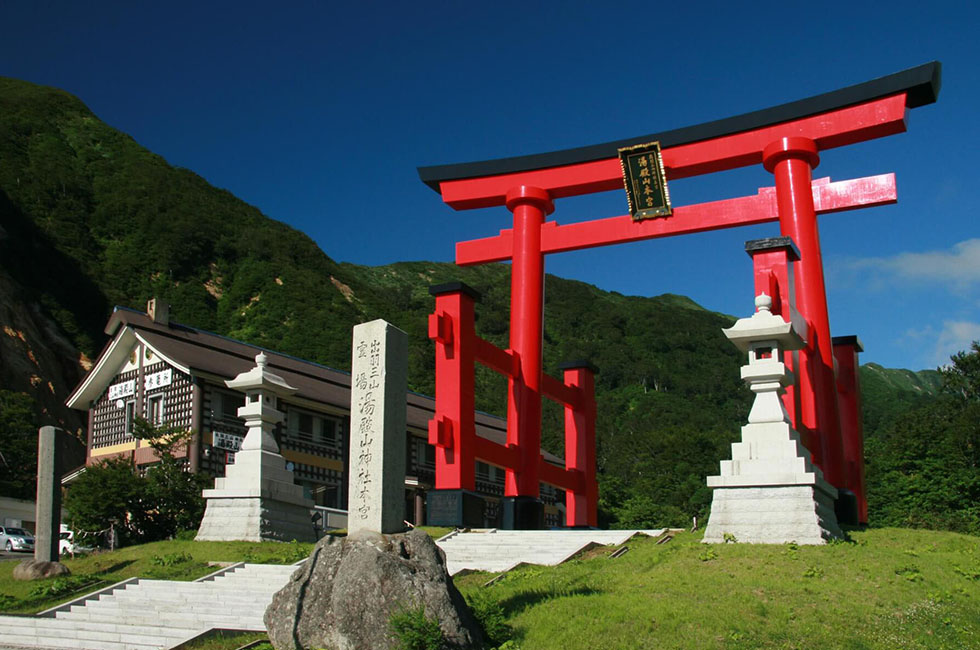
519, 602
118, 566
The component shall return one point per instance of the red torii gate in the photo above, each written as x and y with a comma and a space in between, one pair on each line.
786, 140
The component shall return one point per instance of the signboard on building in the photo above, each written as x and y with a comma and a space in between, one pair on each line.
122, 389
227, 441
158, 379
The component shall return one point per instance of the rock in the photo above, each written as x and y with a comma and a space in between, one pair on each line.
343, 597
34, 570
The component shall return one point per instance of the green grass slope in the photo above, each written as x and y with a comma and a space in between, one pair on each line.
885, 589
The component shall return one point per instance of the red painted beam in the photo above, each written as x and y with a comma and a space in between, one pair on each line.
566, 479
743, 211
874, 119
502, 361
496, 454
559, 392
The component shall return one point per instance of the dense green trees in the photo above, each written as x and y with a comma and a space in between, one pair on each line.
18, 445
923, 463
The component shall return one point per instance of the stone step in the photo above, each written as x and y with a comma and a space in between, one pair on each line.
501, 550
203, 592
175, 619
89, 634
139, 607
163, 603
44, 642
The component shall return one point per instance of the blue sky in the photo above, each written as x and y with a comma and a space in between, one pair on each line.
301, 109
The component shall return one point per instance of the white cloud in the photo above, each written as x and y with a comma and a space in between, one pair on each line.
958, 266
955, 336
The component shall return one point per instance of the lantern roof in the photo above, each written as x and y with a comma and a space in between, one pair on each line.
763, 325
260, 377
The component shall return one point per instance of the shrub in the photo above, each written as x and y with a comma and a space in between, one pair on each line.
488, 612
416, 631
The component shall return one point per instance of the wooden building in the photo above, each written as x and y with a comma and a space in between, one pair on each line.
174, 375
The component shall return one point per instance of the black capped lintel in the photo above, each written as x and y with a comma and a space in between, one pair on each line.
774, 243
921, 85
850, 339
581, 363
453, 287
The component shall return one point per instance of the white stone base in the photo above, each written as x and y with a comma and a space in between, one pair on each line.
256, 501
772, 515
255, 519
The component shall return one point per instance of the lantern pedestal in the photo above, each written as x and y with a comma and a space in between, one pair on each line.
770, 492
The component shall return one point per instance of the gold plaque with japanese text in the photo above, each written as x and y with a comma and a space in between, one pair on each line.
646, 181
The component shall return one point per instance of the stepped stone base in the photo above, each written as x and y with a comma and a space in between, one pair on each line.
255, 519
772, 515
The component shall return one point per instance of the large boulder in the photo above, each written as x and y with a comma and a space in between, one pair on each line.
36, 570
343, 597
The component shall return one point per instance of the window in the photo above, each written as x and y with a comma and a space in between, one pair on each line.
312, 428
482, 471
425, 454
130, 415
155, 410
225, 405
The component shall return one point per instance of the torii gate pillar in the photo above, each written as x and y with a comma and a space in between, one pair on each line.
791, 160
530, 206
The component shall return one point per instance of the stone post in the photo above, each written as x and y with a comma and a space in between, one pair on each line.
48, 514
376, 485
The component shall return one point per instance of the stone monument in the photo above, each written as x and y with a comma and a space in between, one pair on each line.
345, 595
379, 376
257, 499
770, 492
57, 452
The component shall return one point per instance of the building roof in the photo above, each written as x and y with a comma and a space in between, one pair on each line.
200, 353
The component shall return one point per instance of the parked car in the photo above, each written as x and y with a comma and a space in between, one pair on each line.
16, 539
67, 544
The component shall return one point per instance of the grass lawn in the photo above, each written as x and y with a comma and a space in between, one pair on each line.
224, 640
887, 589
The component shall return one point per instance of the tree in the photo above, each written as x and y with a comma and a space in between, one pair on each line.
923, 467
962, 378
172, 495
108, 494
18, 445
156, 507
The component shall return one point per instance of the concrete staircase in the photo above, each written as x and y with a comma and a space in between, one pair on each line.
501, 550
140, 614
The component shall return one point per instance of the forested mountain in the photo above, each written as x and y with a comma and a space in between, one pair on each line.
89, 219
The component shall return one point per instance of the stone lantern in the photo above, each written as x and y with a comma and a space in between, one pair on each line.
769, 492
257, 499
